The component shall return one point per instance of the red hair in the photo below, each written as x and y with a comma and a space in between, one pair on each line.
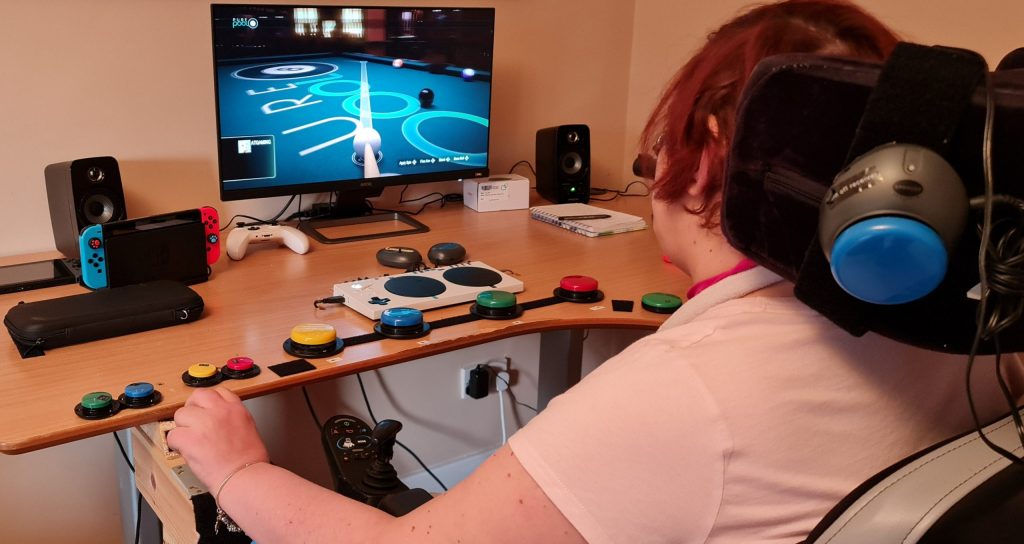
710, 83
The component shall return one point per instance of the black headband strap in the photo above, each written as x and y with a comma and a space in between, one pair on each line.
920, 97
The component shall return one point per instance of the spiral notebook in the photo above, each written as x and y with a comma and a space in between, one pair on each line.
587, 220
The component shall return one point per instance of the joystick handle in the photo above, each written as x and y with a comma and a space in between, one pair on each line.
382, 478
385, 434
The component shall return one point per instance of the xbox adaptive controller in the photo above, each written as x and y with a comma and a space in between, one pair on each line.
94, 257
211, 226
239, 238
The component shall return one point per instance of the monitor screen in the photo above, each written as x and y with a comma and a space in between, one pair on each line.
337, 98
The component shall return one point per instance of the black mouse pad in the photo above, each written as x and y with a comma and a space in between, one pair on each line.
622, 305
291, 367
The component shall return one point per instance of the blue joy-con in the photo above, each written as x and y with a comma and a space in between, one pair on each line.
94, 257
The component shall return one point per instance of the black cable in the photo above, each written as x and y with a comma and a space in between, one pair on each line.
624, 193
528, 165
258, 221
978, 202
443, 199
1005, 276
1014, 412
312, 412
285, 208
981, 317
366, 399
298, 213
225, 225
974, 412
138, 517
124, 453
337, 299
403, 201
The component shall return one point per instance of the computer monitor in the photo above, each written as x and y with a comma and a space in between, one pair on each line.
348, 100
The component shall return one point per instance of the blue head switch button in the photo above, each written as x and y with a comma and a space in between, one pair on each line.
402, 317
402, 323
139, 395
138, 390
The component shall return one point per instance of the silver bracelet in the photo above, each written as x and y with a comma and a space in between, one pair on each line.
222, 516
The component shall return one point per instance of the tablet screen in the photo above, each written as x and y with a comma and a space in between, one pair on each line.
22, 277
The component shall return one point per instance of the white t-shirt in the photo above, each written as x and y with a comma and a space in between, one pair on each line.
742, 420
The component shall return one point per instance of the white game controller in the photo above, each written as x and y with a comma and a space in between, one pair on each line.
240, 237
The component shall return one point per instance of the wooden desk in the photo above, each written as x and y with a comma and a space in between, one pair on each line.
252, 305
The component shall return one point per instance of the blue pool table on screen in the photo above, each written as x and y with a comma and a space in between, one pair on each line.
294, 119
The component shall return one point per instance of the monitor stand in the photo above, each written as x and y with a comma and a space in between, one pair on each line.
352, 222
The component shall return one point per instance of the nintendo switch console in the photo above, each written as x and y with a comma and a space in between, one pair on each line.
178, 246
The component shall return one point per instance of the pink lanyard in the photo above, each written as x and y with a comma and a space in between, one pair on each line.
742, 266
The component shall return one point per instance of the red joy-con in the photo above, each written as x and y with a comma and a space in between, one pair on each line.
211, 226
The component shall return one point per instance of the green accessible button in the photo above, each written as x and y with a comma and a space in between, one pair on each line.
661, 303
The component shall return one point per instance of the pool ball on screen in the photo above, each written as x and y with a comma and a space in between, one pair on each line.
366, 135
398, 63
426, 98
468, 74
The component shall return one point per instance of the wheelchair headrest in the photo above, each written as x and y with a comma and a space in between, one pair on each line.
803, 119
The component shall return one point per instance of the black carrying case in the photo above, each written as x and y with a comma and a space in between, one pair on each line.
798, 118
36, 326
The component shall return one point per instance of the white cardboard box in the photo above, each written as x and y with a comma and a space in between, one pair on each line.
496, 193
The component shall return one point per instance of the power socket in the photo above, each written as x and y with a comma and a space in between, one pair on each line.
500, 365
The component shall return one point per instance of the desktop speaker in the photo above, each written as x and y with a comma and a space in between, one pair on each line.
563, 163
80, 193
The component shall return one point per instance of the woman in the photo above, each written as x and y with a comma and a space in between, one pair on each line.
743, 419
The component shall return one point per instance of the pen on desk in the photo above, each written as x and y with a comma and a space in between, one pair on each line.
583, 217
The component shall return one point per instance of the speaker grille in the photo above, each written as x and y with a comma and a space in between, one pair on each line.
572, 163
98, 209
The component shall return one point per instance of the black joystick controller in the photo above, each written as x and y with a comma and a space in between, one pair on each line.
382, 478
361, 459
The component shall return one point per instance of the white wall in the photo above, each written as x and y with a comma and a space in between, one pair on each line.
667, 32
